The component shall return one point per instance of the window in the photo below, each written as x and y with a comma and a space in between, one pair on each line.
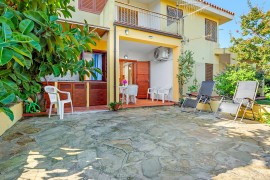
92, 6
173, 13
127, 16
210, 30
99, 62
208, 72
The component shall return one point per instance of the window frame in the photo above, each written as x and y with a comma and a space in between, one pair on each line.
104, 64
180, 14
211, 29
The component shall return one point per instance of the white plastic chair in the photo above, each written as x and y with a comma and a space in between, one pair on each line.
163, 92
53, 93
152, 92
131, 93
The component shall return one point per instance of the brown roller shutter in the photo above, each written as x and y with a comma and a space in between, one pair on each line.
208, 72
92, 6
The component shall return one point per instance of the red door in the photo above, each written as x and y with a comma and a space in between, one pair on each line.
142, 78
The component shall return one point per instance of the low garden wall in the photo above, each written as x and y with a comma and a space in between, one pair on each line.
5, 122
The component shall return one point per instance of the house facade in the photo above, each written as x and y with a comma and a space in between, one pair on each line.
141, 41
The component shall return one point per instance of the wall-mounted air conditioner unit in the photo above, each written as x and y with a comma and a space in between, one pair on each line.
162, 53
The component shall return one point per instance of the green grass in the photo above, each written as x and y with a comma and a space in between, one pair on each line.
263, 101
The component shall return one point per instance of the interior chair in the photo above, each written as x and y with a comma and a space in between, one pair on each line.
203, 96
131, 93
244, 96
152, 92
54, 97
163, 93
122, 90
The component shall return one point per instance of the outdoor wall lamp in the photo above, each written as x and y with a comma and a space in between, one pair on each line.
125, 56
127, 31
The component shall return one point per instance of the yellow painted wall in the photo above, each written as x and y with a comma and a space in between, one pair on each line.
101, 45
80, 16
103, 19
194, 30
5, 122
134, 3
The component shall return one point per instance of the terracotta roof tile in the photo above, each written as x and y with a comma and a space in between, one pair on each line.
216, 7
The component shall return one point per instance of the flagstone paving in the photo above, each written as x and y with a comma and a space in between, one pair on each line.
145, 143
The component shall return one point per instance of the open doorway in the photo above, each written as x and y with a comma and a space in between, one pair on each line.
138, 65
136, 72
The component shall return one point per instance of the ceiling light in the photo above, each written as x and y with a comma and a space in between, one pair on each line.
125, 56
127, 31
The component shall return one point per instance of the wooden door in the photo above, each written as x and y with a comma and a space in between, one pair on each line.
143, 78
79, 94
209, 72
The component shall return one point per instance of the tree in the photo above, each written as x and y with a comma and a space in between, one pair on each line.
226, 81
33, 44
185, 67
254, 44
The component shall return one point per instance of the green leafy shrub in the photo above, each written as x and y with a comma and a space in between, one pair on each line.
226, 81
34, 44
266, 118
185, 69
194, 87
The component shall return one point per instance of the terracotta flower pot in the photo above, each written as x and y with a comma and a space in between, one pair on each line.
116, 107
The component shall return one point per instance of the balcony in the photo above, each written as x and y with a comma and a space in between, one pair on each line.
142, 19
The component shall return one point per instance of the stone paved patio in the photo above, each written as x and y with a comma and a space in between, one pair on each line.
154, 143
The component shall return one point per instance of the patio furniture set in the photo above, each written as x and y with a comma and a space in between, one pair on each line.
244, 96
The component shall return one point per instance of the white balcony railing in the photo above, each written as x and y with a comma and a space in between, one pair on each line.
142, 18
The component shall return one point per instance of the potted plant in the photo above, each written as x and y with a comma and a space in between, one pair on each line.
31, 106
115, 106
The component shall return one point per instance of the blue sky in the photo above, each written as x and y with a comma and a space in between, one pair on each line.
239, 7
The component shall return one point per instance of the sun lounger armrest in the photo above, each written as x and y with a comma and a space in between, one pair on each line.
65, 92
225, 98
249, 99
206, 96
191, 95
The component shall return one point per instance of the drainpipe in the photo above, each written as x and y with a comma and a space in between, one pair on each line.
114, 62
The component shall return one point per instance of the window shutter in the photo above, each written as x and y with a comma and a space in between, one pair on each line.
208, 72
92, 6
100, 5
128, 16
